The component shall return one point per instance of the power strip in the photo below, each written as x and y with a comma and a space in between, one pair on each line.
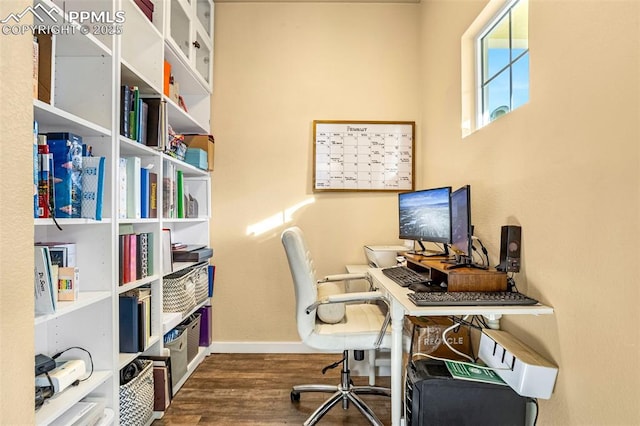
528, 373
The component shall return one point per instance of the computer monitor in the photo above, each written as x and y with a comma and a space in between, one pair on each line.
425, 215
461, 221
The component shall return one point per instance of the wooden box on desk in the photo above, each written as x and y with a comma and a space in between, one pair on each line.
459, 279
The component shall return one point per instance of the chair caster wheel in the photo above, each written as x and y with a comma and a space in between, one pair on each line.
295, 396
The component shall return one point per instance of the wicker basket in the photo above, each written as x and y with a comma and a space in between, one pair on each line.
178, 291
201, 280
136, 398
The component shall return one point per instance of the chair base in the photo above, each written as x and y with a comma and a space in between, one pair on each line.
345, 392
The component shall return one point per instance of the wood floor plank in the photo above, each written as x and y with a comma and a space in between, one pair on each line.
254, 389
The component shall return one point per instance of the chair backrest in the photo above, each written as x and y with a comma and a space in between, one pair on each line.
304, 278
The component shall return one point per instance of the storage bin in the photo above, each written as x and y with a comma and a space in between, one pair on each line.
201, 282
197, 158
136, 397
206, 336
178, 291
176, 342
192, 327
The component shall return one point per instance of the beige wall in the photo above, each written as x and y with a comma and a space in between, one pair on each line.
16, 227
565, 168
279, 66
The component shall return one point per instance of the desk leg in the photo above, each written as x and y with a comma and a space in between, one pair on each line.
397, 321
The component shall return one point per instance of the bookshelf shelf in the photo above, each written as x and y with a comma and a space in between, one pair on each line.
86, 74
171, 319
57, 405
64, 222
85, 298
135, 284
58, 120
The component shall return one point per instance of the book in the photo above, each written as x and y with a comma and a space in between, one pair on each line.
143, 297
67, 167
142, 266
36, 171
167, 259
144, 192
133, 187
68, 283
143, 114
133, 253
92, 187
156, 109
153, 195
161, 387
121, 238
168, 191
197, 255
122, 188
133, 112
212, 277
180, 194
150, 253
45, 292
125, 109
61, 253
129, 324
162, 380
43, 182
473, 372
125, 259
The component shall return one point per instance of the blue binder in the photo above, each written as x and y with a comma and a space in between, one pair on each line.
129, 324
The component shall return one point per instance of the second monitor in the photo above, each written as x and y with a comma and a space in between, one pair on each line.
425, 216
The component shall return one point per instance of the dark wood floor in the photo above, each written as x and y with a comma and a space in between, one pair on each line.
254, 389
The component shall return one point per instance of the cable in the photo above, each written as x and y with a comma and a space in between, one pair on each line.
82, 349
484, 249
444, 340
535, 402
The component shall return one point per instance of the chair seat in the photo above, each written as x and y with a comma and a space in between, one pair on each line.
358, 330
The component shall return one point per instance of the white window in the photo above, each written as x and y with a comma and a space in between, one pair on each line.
503, 63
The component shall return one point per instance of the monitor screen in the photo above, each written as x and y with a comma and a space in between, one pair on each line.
461, 221
425, 215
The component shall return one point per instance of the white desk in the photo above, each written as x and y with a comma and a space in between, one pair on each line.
401, 306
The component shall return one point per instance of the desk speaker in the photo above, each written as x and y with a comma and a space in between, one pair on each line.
510, 249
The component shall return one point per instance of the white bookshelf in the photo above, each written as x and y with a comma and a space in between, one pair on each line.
87, 73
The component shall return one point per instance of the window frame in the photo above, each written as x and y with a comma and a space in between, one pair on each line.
504, 12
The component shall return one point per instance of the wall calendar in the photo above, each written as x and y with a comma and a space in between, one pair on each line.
363, 155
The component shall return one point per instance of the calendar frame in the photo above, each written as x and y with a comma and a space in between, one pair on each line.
320, 127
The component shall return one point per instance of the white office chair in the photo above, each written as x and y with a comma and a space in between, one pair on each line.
363, 326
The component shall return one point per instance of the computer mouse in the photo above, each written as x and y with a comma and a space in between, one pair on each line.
420, 287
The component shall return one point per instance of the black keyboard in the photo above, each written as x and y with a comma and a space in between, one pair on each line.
404, 276
471, 298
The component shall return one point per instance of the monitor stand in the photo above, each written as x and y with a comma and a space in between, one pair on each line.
428, 253
462, 261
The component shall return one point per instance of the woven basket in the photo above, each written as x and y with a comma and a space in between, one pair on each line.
201, 280
136, 398
178, 291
